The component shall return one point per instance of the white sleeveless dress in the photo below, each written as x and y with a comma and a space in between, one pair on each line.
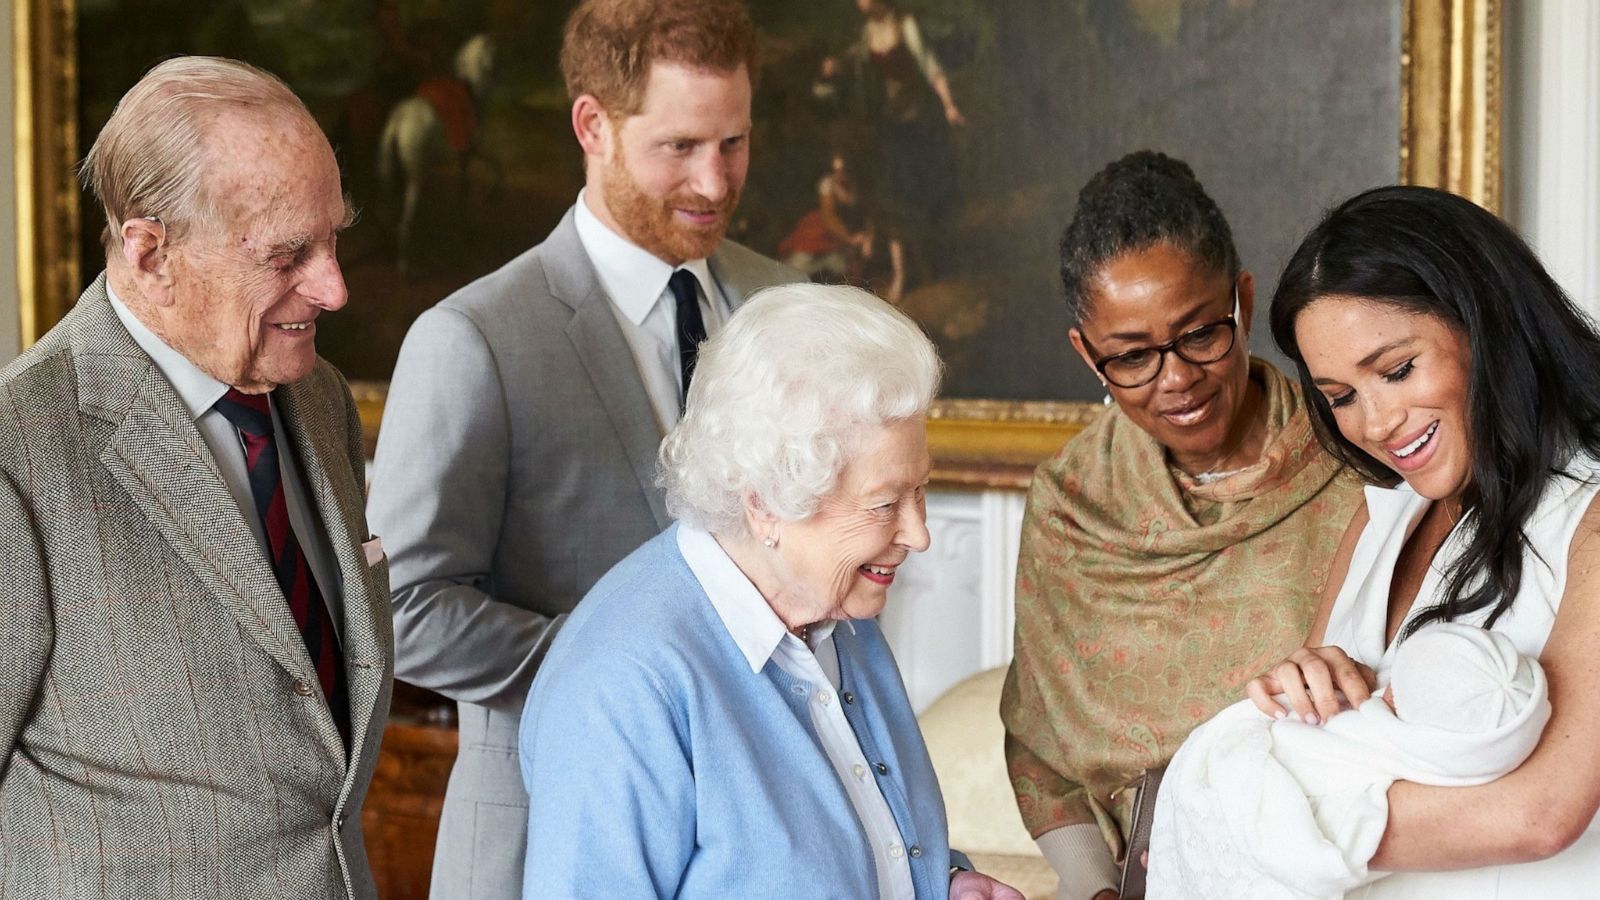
1358, 624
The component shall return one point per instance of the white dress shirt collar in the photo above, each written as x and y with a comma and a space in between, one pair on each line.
633, 277
744, 612
198, 391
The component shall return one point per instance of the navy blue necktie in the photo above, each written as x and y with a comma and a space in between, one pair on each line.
691, 327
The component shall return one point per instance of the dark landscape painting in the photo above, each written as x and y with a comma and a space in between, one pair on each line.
935, 160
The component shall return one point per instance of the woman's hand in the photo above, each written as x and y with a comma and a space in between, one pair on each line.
1312, 678
973, 886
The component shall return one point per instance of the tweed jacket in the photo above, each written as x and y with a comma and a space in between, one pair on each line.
162, 731
515, 467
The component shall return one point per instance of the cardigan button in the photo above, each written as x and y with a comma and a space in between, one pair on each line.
916, 852
848, 697
883, 768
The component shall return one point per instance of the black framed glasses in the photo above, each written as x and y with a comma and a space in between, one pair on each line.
1201, 346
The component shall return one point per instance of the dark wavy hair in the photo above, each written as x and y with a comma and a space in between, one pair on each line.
1533, 391
1142, 199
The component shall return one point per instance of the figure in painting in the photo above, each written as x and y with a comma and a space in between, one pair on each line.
833, 242
436, 125
900, 93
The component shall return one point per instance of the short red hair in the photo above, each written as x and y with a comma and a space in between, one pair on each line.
610, 45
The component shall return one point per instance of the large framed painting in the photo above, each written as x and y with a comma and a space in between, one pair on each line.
935, 159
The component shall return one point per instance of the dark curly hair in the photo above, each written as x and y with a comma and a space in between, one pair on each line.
1533, 384
1142, 199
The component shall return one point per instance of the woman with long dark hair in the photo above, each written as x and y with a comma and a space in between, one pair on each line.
1447, 366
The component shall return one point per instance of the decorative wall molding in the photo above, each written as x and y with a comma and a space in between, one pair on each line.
951, 610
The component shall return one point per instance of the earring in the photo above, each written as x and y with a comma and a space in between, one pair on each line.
769, 542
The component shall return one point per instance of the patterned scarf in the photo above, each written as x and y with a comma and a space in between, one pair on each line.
1146, 600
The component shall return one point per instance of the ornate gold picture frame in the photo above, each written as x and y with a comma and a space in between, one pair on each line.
1449, 136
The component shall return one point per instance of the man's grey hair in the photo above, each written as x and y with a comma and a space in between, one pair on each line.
149, 159
784, 395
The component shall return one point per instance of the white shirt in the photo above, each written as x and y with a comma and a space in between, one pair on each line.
761, 636
635, 280
200, 393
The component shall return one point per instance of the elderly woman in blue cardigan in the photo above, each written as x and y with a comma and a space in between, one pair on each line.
721, 717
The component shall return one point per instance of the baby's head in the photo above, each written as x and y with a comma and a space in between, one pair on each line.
1459, 678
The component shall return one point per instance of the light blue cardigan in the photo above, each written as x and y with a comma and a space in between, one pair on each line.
659, 765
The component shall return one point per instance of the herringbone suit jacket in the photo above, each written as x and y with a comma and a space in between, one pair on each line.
162, 731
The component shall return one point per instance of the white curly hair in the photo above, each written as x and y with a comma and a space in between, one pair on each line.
784, 395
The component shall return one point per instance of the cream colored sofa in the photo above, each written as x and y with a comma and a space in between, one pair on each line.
965, 739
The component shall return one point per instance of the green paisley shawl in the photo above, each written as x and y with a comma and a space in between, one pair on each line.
1145, 601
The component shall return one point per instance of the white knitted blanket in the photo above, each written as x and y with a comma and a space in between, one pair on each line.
1252, 808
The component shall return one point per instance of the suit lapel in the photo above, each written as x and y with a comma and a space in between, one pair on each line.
317, 432
606, 358
159, 458
727, 282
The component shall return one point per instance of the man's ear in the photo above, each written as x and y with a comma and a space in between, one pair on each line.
593, 126
145, 252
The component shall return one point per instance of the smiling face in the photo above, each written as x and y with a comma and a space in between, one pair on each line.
245, 292
1397, 384
1202, 414
838, 563
670, 175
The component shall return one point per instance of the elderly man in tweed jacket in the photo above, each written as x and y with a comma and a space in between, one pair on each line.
194, 627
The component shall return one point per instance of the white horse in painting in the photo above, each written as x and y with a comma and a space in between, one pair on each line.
414, 141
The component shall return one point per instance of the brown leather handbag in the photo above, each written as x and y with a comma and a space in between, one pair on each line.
1144, 815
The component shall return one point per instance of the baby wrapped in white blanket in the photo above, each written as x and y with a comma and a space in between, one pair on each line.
1253, 807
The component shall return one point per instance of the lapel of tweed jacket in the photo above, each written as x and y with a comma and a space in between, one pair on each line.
605, 356
315, 419
159, 458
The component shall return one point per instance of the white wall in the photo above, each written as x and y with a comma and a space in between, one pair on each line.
1552, 137
951, 609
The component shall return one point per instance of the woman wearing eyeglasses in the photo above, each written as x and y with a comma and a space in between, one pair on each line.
1175, 547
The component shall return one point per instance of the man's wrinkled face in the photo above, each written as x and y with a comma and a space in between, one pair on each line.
674, 170
247, 287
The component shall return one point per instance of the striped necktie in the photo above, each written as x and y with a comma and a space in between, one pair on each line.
252, 416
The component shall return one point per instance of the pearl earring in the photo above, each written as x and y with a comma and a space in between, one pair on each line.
769, 542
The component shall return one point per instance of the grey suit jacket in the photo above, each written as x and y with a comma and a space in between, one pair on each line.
162, 734
515, 467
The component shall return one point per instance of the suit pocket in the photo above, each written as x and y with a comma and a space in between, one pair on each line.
378, 577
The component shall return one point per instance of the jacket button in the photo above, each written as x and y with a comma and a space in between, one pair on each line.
916, 852
303, 689
883, 768
848, 697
